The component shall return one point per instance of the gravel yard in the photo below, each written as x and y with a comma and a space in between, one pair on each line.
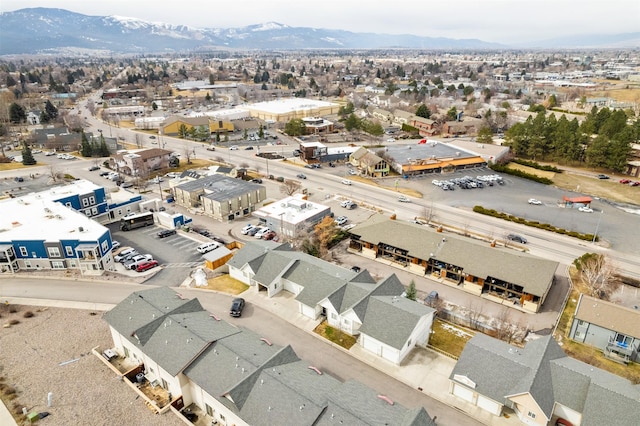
84, 391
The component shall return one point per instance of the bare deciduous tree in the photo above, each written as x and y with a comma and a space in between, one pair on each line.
289, 187
188, 152
474, 314
598, 275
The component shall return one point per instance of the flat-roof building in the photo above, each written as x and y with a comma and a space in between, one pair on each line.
284, 110
292, 215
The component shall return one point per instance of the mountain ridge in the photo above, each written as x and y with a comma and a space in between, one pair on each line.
50, 30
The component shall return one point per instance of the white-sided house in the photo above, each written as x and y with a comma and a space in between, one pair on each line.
233, 375
541, 385
394, 325
343, 296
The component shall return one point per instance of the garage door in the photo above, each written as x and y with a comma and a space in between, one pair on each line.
489, 405
462, 392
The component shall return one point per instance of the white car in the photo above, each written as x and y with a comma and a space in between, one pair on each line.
49, 153
341, 220
352, 172
207, 247
404, 199
172, 175
346, 182
535, 202
391, 140
233, 147
261, 233
585, 209
345, 203
246, 229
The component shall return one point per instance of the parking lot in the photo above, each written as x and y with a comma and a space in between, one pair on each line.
176, 254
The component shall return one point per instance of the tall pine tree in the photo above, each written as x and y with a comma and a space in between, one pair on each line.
27, 156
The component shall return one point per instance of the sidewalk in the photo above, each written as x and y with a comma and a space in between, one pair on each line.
423, 369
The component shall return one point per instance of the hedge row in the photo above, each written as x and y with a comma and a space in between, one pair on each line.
533, 223
519, 173
538, 166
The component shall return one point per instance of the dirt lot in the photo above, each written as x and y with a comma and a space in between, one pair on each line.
33, 354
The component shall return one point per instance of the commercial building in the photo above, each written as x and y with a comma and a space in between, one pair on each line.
221, 197
285, 110
500, 274
292, 215
37, 233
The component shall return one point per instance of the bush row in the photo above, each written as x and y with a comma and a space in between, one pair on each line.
538, 166
533, 223
514, 172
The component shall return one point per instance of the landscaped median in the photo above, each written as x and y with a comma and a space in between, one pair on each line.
533, 223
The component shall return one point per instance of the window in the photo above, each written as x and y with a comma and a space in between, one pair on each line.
92, 200
531, 414
53, 251
580, 322
105, 246
68, 204
85, 202
57, 265
209, 410
334, 315
27, 264
69, 250
578, 334
23, 251
164, 384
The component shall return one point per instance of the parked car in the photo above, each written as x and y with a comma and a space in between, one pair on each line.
341, 220
256, 180
207, 247
404, 199
152, 137
431, 299
517, 238
585, 209
104, 174
246, 229
126, 185
352, 172
233, 147
345, 203
301, 176
346, 182
172, 175
352, 206
166, 233
137, 260
145, 266
269, 235
535, 202
125, 254
253, 231
261, 233
356, 269
94, 168
249, 148
603, 176
237, 305
625, 181
211, 148
115, 244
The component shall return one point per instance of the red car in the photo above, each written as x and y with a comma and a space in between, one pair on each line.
636, 183
144, 266
269, 235
625, 181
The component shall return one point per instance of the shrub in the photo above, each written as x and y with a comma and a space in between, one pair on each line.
28, 314
14, 322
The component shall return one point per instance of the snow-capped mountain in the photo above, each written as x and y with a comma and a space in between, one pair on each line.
46, 30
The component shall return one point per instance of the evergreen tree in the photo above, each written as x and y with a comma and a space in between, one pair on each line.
27, 155
17, 113
411, 291
423, 111
86, 150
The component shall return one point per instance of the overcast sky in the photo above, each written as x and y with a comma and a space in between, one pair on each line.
502, 21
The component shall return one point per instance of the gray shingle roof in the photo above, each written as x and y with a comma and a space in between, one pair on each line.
609, 315
534, 274
220, 187
355, 404
264, 384
392, 319
543, 370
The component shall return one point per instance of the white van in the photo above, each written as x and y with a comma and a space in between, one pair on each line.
207, 247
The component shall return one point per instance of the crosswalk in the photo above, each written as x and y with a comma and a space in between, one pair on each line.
182, 265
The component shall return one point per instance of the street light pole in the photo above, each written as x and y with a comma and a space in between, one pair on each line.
595, 235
